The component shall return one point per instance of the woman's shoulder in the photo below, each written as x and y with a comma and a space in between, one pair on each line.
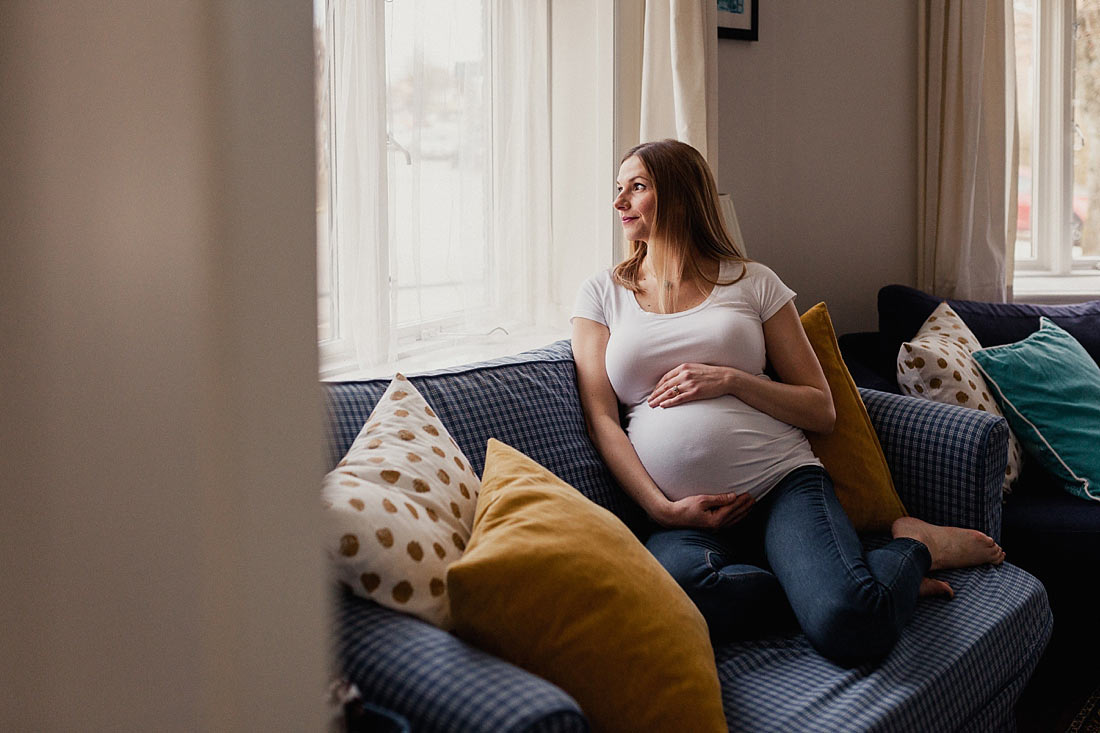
753, 271
602, 282
596, 294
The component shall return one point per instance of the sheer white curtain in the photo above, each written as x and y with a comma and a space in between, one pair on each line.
521, 158
440, 144
441, 172
359, 203
966, 148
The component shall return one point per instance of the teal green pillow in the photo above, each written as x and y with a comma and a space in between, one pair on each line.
1049, 390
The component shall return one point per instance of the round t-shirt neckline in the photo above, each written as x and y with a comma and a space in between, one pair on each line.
722, 267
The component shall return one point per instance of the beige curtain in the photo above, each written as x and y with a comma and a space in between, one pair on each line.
966, 149
678, 74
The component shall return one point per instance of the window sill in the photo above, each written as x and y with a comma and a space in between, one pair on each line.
455, 354
1047, 288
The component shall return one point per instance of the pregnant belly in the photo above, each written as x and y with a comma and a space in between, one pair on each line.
714, 446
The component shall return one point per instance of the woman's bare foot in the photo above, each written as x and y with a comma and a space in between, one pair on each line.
951, 547
933, 587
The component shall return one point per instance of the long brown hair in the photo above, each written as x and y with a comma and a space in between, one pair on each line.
687, 218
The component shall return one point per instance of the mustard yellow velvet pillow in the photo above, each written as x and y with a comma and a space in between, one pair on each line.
559, 586
851, 453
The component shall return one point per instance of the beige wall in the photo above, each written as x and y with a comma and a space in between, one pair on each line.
817, 125
160, 438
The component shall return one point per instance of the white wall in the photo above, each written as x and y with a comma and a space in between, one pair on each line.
817, 129
160, 446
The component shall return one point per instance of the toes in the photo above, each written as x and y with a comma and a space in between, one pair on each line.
933, 587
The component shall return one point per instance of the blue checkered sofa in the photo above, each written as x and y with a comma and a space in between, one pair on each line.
959, 666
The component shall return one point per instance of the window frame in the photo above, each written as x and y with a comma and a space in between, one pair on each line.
1053, 132
336, 353
373, 315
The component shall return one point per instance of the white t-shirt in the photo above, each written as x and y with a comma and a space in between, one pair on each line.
701, 446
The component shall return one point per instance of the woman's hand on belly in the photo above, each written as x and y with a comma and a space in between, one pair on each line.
706, 511
691, 382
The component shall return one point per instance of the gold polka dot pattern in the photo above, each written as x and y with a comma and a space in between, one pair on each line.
400, 506
349, 545
402, 592
936, 364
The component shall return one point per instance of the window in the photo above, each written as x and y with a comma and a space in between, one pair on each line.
433, 192
1058, 97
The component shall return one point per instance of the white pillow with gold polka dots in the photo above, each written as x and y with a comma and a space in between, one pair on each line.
937, 364
400, 507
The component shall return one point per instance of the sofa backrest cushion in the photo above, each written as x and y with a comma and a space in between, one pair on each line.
528, 401
903, 310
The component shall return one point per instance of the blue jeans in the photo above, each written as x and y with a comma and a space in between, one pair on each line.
797, 554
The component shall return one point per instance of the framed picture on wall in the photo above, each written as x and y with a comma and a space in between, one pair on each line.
738, 19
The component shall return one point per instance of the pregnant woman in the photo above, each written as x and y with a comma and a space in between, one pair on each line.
678, 335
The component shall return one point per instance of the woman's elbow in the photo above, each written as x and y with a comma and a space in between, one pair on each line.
827, 418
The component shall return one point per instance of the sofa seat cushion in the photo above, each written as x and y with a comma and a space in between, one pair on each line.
528, 401
1054, 535
952, 659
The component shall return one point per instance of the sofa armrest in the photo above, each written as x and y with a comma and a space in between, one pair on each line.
437, 681
948, 462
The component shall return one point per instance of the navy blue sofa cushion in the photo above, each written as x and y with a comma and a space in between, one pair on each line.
902, 310
959, 665
1053, 535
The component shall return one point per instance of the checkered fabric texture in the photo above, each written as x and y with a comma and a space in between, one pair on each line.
948, 462
439, 683
959, 665
528, 401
